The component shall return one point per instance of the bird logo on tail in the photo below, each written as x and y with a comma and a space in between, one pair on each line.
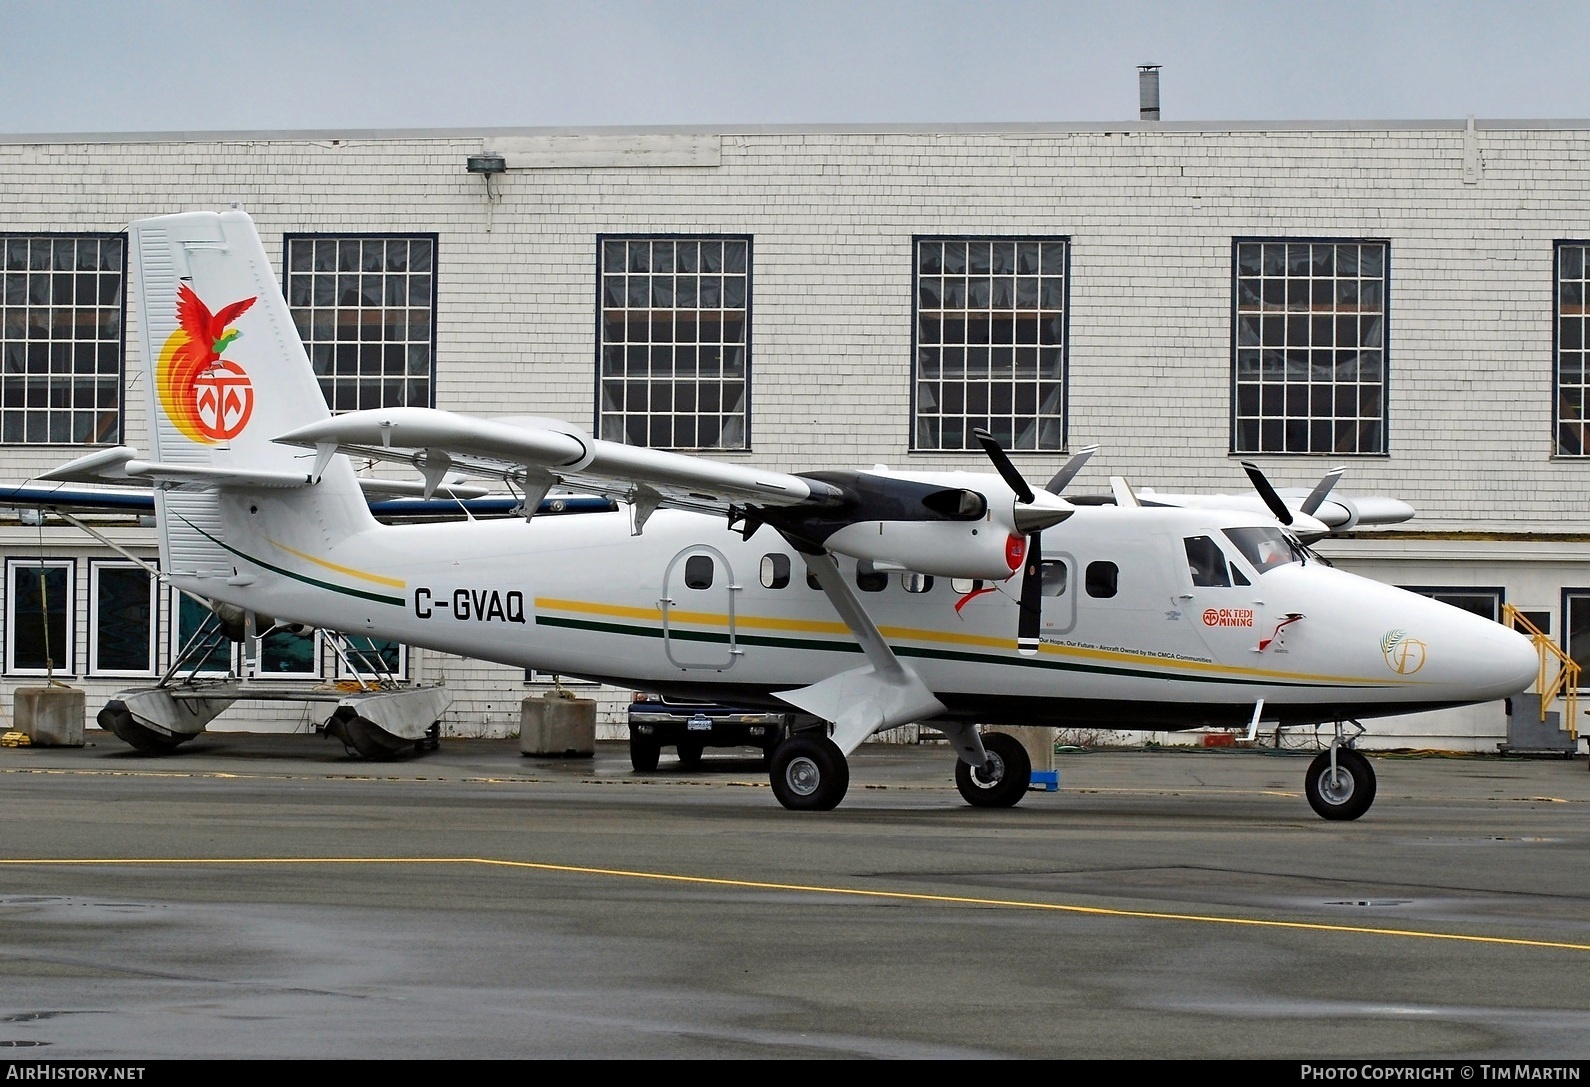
206, 397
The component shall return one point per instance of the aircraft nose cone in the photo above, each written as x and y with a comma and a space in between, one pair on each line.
1509, 665
1520, 662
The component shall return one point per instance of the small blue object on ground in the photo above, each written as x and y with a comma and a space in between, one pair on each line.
1047, 781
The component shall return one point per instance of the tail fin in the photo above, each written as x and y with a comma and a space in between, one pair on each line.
225, 372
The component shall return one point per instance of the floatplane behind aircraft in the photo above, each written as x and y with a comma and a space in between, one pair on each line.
866, 599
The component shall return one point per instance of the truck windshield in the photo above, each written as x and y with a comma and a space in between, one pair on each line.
1266, 548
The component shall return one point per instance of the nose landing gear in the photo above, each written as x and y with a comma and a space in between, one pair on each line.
1340, 784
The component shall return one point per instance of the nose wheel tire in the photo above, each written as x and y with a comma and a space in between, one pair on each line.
809, 773
1003, 781
1347, 793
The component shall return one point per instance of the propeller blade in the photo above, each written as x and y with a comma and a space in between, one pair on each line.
1031, 604
1007, 470
1267, 492
1065, 475
1316, 497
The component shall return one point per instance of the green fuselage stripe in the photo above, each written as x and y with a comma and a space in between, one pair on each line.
827, 646
316, 582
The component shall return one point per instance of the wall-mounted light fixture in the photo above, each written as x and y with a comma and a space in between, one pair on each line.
488, 164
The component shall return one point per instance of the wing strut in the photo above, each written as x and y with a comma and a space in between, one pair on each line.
883, 693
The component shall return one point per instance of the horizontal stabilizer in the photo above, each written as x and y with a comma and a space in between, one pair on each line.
121, 465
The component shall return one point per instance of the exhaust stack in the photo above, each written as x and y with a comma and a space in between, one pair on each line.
1148, 92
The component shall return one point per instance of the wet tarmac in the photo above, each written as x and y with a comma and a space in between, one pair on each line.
258, 896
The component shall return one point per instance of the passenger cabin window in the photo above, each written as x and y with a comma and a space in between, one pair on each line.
1053, 575
1101, 579
1266, 548
916, 583
1206, 562
869, 579
775, 571
963, 585
698, 572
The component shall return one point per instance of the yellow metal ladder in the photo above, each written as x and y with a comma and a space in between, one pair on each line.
1563, 683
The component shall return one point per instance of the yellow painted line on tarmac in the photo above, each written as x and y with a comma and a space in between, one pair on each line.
804, 888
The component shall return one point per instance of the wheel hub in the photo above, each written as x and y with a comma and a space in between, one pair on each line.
803, 776
990, 773
1336, 786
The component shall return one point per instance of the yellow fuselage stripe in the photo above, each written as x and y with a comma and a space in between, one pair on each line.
393, 582
935, 637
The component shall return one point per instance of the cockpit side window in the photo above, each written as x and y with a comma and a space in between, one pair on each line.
1207, 563
1266, 548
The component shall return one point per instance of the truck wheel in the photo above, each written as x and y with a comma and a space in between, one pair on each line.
690, 753
643, 754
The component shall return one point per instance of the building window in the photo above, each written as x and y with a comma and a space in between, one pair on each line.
287, 654
61, 343
673, 341
1310, 345
1573, 373
990, 342
122, 603
372, 658
40, 603
1576, 630
1486, 602
365, 307
207, 656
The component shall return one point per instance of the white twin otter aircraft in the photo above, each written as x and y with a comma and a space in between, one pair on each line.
867, 599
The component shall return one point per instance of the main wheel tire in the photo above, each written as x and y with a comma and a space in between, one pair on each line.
1004, 781
643, 754
690, 752
809, 773
1347, 795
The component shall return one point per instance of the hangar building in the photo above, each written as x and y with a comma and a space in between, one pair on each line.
1405, 299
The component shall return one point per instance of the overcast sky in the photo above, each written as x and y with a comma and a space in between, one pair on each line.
159, 65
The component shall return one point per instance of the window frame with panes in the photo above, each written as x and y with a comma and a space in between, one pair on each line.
990, 341
673, 341
63, 308
1309, 346
365, 308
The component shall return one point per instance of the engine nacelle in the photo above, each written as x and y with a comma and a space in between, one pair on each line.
956, 549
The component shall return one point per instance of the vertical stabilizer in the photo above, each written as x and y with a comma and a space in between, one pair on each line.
225, 372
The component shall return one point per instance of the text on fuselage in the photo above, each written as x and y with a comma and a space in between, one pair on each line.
471, 605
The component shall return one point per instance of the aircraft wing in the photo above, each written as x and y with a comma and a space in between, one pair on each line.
536, 454
1339, 514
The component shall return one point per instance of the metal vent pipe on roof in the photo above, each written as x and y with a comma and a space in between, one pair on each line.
1148, 92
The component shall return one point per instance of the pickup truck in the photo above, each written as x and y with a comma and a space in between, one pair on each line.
692, 727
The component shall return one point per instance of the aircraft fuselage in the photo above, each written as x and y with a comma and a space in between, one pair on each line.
1132, 635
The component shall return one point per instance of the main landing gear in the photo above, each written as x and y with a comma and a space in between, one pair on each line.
1000, 782
810, 773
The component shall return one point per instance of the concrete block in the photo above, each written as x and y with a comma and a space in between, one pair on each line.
557, 725
50, 716
1039, 742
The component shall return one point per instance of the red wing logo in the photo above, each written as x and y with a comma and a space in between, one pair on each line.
208, 398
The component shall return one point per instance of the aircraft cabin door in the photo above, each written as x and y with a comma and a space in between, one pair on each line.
1223, 605
1059, 602
698, 610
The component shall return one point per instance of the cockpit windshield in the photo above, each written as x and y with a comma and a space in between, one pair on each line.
1266, 548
